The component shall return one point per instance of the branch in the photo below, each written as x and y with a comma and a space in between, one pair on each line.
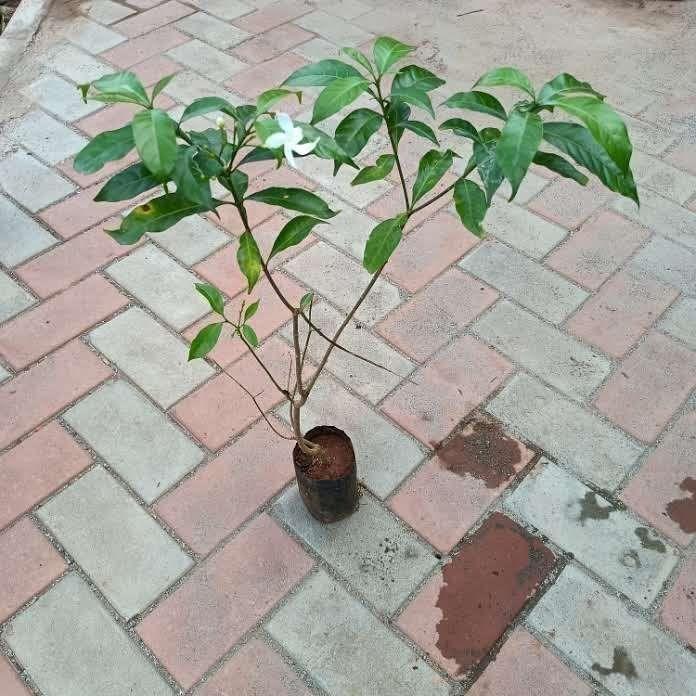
297, 351
256, 403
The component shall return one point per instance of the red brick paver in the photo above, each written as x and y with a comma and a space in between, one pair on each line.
661, 492
220, 496
37, 467
10, 682
447, 389
137, 50
47, 388
447, 495
649, 386
621, 312
255, 670
29, 564
193, 627
59, 319
466, 607
679, 608
525, 666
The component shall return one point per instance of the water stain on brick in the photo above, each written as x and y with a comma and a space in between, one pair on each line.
622, 664
643, 533
590, 509
683, 510
483, 451
486, 586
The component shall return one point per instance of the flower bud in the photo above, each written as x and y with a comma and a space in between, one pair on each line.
220, 122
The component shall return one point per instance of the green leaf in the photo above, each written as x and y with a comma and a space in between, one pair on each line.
267, 99
155, 139
120, 87
294, 199
206, 339
306, 301
482, 102
129, 183
251, 310
416, 97
388, 51
470, 202
206, 105
321, 74
413, 76
486, 161
605, 125
249, 259
335, 96
354, 131
258, 154
375, 172
250, 335
294, 232
190, 181
156, 215
462, 128
360, 58
396, 114
105, 147
214, 297
237, 182
161, 84
382, 242
432, 167
519, 142
557, 164
565, 85
506, 77
422, 130
327, 147
576, 141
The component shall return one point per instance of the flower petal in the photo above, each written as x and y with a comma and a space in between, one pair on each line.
276, 140
289, 156
305, 148
295, 136
284, 121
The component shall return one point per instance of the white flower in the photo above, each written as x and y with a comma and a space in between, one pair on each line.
220, 122
289, 139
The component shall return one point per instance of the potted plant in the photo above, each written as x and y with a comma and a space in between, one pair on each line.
183, 163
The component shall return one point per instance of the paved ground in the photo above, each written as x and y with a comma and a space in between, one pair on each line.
152, 540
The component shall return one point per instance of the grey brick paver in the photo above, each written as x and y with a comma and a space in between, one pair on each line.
340, 32
162, 285
45, 137
680, 321
630, 557
75, 64
13, 297
551, 354
380, 560
523, 229
188, 85
572, 435
153, 358
224, 9
341, 280
57, 95
134, 438
21, 237
107, 11
662, 216
91, 36
71, 646
669, 262
31, 183
345, 648
211, 30
192, 239
529, 283
211, 62
122, 549
589, 625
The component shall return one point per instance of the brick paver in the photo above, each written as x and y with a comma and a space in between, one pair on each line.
548, 372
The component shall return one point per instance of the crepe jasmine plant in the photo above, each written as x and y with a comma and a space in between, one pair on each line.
183, 163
